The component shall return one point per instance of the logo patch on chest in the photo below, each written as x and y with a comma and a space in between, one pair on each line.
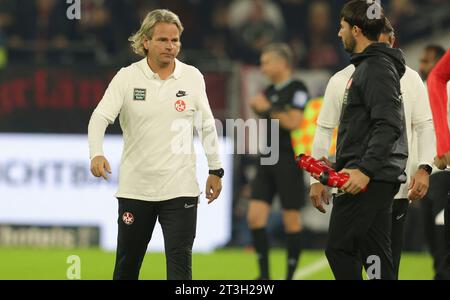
180, 106
139, 94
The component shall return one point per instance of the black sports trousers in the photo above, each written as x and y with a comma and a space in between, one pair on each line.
399, 213
437, 235
360, 228
137, 219
285, 179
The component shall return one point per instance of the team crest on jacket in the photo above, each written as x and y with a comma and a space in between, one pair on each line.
128, 218
180, 106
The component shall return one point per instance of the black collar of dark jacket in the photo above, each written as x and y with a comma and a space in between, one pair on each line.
396, 56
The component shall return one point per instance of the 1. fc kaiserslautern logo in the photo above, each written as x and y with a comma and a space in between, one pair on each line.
128, 218
180, 106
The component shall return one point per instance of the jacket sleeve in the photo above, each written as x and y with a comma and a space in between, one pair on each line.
328, 119
437, 84
105, 113
206, 128
330, 112
111, 103
381, 93
422, 123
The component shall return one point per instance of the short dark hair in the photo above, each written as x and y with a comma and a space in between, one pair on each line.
282, 50
355, 13
439, 51
388, 28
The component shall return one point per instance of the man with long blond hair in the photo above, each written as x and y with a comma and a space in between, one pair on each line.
157, 97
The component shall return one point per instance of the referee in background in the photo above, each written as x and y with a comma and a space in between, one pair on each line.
157, 171
284, 100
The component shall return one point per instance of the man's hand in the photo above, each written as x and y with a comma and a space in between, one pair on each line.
213, 188
99, 167
442, 162
327, 162
418, 187
260, 104
357, 181
319, 195
447, 158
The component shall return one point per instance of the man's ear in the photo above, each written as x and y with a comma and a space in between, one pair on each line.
356, 31
393, 41
146, 43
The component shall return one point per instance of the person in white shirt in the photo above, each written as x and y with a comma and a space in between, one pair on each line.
418, 119
160, 100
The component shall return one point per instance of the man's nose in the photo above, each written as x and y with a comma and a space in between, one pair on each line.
170, 46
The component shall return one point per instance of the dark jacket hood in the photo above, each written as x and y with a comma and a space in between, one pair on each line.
376, 49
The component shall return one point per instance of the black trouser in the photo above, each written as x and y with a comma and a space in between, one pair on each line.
433, 204
399, 212
360, 228
178, 219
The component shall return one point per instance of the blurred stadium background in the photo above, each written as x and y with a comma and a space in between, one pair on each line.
53, 72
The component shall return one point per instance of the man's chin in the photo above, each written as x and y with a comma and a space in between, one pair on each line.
349, 46
350, 49
167, 60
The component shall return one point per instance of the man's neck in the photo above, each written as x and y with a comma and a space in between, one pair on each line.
362, 45
163, 71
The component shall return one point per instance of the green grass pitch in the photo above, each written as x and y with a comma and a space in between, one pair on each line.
229, 264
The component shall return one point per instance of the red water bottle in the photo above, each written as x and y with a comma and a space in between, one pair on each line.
319, 169
333, 179
311, 165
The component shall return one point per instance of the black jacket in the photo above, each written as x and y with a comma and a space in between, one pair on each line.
372, 132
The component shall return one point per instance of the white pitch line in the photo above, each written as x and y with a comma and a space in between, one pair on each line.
307, 271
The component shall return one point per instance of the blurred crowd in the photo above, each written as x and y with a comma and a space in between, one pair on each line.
38, 31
